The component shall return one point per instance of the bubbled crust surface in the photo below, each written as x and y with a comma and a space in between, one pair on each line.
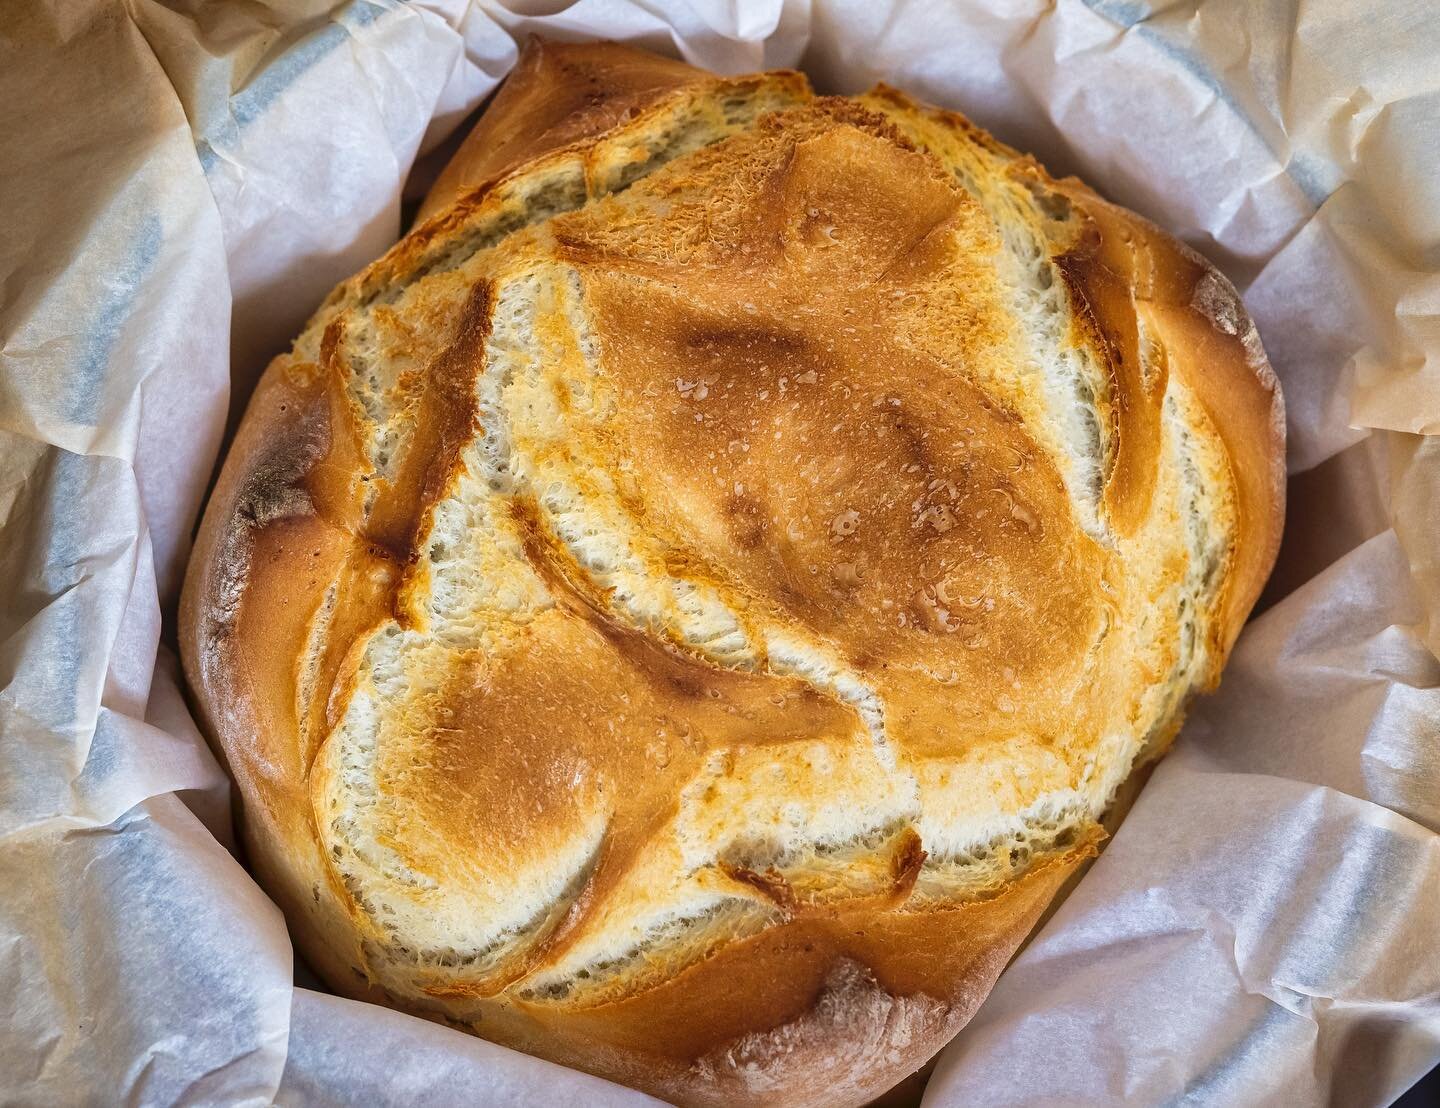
660, 616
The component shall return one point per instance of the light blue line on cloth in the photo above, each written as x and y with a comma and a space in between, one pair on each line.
1310, 174
255, 98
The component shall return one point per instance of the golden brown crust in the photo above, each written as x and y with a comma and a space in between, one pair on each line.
712, 1034
699, 564
1121, 270
557, 94
1212, 343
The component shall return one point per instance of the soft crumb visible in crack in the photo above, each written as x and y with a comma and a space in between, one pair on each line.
854, 1029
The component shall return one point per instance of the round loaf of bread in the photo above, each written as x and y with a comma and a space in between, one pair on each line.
686, 609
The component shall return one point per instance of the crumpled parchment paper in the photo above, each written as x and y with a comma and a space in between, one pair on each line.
182, 183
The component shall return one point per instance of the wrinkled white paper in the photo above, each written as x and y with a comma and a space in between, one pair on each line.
182, 185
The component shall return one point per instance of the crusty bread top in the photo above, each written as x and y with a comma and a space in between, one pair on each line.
558, 94
732, 516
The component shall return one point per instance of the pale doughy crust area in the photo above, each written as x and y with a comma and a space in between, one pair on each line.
686, 609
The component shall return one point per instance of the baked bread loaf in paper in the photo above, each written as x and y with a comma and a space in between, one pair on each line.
684, 611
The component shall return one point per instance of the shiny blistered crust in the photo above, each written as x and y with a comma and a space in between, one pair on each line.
675, 537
